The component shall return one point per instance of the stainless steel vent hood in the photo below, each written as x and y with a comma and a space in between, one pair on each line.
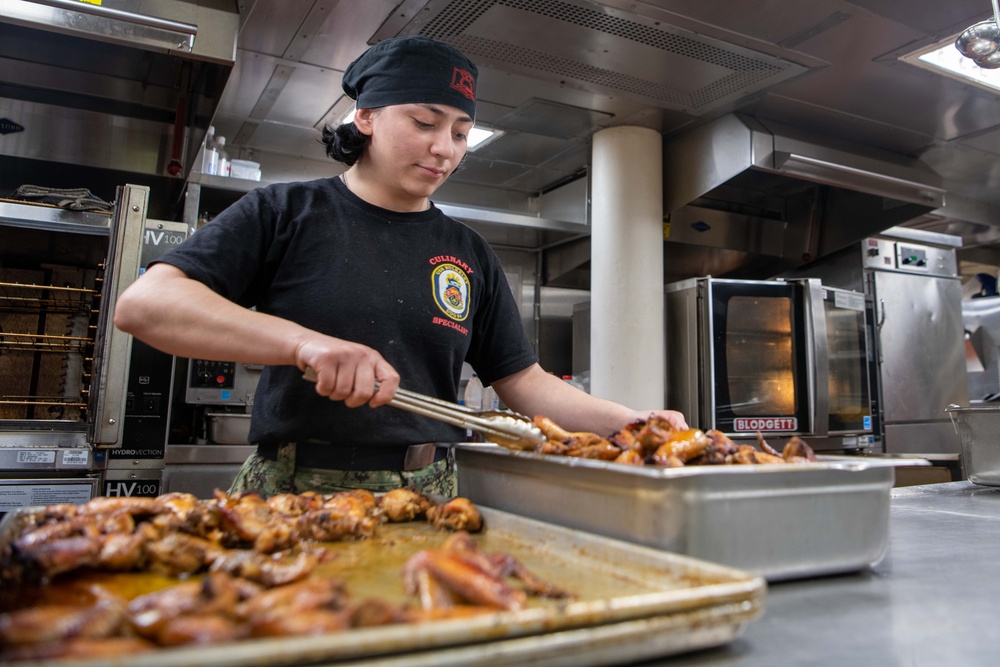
750, 198
94, 95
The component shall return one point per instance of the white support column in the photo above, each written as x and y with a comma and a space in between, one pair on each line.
627, 355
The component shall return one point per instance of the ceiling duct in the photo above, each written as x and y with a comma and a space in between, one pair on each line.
94, 95
596, 47
751, 198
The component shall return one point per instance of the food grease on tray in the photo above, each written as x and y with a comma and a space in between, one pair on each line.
654, 441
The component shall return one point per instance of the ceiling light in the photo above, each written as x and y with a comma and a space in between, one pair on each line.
349, 116
944, 58
981, 42
479, 136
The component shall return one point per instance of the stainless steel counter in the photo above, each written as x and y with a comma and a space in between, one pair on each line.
932, 601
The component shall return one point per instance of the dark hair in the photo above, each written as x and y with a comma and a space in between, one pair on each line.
344, 143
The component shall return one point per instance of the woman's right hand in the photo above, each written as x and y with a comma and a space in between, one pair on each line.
347, 371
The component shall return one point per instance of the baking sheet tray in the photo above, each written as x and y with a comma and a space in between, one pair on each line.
781, 521
633, 602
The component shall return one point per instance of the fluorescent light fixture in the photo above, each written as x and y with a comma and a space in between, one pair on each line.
349, 116
945, 59
479, 136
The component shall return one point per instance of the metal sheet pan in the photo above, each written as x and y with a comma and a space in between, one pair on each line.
979, 428
624, 591
781, 521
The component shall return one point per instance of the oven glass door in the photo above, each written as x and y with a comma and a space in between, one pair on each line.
761, 379
849, 396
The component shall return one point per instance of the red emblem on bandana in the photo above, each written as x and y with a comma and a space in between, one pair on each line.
462, 81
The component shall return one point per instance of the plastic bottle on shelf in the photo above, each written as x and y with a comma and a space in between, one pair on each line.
224, 164
474, 393
573, 382
210, 158
490, 399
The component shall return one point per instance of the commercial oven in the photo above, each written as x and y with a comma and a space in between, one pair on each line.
783, 357
63, 365
217, 401
910, 277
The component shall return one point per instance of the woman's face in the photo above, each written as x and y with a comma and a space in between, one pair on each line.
414, 147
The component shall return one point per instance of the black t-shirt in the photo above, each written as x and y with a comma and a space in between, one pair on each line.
424, 290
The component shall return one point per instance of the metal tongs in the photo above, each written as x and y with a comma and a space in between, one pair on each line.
502, 427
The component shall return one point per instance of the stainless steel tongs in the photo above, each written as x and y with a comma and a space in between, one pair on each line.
503, 427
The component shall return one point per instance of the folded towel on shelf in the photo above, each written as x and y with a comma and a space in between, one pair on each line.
74, 199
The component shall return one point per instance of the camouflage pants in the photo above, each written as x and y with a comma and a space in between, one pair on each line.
268, 478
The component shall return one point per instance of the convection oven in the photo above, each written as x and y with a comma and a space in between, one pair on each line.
783, 357
63, 365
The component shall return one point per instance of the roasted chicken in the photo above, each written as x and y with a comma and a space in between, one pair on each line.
654, 441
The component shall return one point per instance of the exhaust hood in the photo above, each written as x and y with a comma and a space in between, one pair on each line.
97, 94
749, 198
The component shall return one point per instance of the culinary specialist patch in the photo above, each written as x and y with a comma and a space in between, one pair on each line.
451, 291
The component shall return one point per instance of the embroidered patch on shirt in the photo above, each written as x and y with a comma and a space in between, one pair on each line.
451, 291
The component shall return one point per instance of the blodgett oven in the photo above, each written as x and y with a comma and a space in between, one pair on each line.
63, 365
783, 357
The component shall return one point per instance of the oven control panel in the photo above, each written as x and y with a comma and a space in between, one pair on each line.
888, 255
215, 374
221, 382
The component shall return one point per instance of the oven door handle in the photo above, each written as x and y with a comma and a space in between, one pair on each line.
881, 319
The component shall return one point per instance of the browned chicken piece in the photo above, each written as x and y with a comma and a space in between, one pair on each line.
797, 451
57, 512
215, 593
177, 503
302, 622
719, 447
404, 504
78, 649
744, 455
372, 612
332, 525
664, 458
456, 514
292, 504
355, 499
552, 447
267, 569
200, 629
315, 593
88, 526
56, 622
358, 504
135, 505
178, 553
630, 457
748, 455
251, 520
651, 434
626, 441
580, 443
550, 429
463, 579
681, 446
430, 593
122, 552
598, 448
54, 557
461, 573
764, 447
